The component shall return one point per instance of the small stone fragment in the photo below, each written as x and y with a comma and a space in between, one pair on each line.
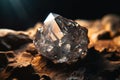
61, 40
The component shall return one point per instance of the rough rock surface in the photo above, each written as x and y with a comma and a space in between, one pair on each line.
19, 59
61, 40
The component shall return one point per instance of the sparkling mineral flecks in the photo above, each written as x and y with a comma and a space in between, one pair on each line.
61, 40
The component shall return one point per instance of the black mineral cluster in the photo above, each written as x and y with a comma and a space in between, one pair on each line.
61, 40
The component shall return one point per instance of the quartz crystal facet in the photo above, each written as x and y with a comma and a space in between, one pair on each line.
61, 40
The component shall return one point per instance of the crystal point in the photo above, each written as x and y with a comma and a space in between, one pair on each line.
50, 17
61, 40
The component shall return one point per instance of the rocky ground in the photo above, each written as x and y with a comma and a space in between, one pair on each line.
19, 60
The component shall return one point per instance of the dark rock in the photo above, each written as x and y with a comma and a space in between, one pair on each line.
13, 41
61, 40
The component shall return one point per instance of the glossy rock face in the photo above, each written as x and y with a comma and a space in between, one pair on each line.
61, 40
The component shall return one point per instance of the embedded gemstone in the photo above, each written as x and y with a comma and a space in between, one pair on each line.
61, 40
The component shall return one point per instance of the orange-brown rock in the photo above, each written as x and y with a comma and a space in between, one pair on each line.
19, 59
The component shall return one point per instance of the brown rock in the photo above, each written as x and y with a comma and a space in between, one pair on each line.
19, 57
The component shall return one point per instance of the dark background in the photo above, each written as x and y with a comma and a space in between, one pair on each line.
21, 14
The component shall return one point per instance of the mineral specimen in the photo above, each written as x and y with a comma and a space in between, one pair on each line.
61, 40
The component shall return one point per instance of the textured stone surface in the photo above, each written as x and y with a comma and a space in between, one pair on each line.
101, 63
11, 40
61, 40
